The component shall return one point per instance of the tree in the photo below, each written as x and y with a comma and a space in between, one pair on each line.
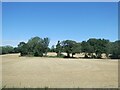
46, 43
98, 46
4, 50
32, 44
0, 50
115, 50
68, 46
76, 48
58, 48
87, 49
38, 50
35, 46
23, 48
7, 49
16, 50
52, 49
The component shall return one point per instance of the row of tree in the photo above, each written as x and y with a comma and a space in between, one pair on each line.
93, 48
8, 49
35, 46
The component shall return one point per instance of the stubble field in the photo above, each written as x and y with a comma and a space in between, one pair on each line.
40, 72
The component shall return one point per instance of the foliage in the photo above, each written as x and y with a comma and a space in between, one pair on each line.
76, 48
93, 48
115, 50
46, 42
23, 48
69, 47
7, 49
97, 46
34, 47
58, 49
53, 49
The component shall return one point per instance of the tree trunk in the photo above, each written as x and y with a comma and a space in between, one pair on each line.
58, 53
72, 54
45, 53
68, 54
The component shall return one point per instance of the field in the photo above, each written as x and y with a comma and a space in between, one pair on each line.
38, 72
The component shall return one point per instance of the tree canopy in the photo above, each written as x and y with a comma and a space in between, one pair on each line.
35, 46
70, 47
92, 48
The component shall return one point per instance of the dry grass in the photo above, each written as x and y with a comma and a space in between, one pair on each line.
58, 72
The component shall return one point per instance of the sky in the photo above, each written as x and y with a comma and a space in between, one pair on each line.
59, 21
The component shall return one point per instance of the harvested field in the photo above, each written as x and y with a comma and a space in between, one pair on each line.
58, 72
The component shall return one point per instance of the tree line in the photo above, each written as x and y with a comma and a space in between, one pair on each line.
92, 48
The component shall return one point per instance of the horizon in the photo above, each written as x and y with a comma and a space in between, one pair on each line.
56, 41
59, 21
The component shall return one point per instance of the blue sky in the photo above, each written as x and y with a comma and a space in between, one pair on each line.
59, 21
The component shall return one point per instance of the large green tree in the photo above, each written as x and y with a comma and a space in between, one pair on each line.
86, 47
97, 46
68, 47
115, 50
76, 48
35, 46
23, 48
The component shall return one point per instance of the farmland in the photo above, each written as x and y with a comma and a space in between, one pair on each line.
58, 72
